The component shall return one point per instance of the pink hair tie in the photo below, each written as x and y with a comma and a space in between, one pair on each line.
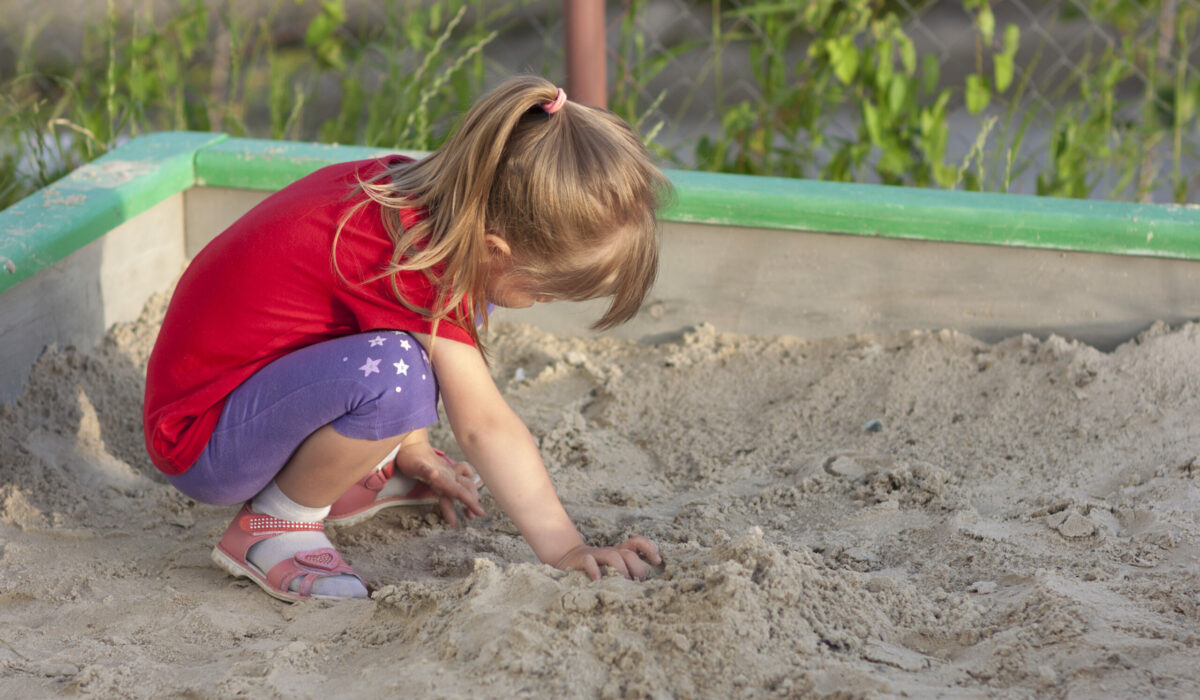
559, 101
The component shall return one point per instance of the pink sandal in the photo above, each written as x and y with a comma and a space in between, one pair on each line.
249, 528
362, 500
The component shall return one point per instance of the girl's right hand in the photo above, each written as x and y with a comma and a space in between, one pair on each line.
625, 558
451, 482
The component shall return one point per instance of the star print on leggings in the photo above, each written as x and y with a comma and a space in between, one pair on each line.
371, 366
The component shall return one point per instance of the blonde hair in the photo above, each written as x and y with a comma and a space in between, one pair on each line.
573, 194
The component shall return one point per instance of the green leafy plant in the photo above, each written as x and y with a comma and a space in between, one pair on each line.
835, 89
843, 93
398, 83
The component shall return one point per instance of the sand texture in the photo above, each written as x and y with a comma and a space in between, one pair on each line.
917, 515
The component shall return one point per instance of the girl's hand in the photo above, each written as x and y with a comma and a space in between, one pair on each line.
626, 558
450, 481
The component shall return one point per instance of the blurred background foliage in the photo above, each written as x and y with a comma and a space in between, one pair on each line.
1072, 98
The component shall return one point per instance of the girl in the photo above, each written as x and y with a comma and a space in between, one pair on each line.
304, 349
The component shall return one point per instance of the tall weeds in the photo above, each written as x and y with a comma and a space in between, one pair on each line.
397, 81
838, 89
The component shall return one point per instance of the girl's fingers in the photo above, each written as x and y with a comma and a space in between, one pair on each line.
612, 558
469, 485
469, 495
591, 567
634, 565
447, 506
465, 469
644, 547
453, 490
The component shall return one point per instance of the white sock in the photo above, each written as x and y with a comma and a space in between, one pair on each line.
399, 484
266, 554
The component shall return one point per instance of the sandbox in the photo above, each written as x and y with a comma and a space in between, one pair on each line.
891, 442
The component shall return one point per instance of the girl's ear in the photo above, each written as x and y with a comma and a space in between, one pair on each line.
497, 246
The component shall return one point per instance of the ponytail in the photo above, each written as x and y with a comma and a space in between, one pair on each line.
555, 183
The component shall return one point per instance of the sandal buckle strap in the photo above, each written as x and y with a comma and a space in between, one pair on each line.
259, 524
376, 479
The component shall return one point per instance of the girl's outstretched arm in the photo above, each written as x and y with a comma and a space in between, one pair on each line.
500, 447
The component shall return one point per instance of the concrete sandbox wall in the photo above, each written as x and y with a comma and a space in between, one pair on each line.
748, 254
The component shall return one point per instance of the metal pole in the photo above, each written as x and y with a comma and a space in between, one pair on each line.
587, 80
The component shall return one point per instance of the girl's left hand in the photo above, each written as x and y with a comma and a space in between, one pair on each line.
451, 481
625, 558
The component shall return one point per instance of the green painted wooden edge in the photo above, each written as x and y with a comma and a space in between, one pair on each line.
1158, 230
50, 224
807, 205
55, 221
260, 164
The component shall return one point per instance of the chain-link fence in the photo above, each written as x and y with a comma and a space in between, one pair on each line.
1082, 98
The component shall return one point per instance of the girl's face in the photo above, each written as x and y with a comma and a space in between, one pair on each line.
505, 287
511, 290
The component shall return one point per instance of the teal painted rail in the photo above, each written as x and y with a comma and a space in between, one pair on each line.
59, 219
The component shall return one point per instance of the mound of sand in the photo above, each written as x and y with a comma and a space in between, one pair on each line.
917, 514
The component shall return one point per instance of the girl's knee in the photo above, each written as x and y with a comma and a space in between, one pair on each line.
400, 390
396, 363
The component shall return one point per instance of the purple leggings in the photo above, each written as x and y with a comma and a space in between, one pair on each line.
369, 386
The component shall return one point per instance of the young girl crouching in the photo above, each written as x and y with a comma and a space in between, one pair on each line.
304, 349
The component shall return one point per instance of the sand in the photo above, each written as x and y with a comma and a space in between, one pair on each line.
919, 515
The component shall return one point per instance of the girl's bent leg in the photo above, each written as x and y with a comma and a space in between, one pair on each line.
337, 405
326, 464
298, 433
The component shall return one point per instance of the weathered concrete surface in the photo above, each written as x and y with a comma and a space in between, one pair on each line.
74, 301
819, 285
